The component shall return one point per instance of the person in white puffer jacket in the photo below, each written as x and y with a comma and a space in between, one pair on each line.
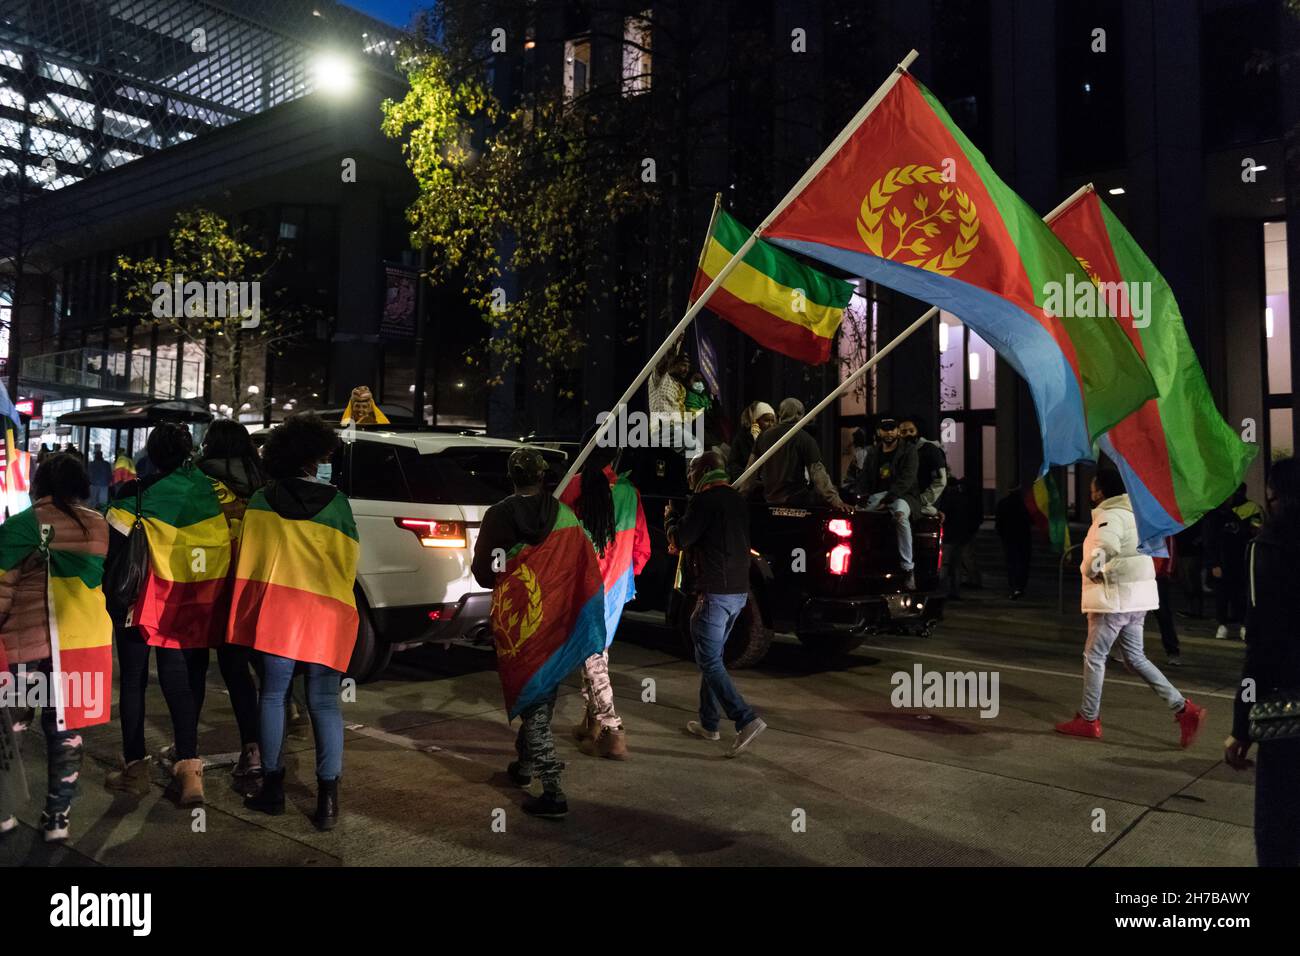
1119, 587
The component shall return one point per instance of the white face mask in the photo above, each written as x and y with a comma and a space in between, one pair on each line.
698, 386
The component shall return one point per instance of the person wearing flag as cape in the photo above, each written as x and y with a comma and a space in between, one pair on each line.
186, 560
548, 615
609, 507
293, 601
55, 634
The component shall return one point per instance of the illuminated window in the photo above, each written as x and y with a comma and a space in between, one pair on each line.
577, 68
636, 55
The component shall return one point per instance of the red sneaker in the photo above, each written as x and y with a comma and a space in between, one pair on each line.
1190, 719
1081, 727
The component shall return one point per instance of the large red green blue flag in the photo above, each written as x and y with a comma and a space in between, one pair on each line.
1178, 457
293, 593
909, 202
548, 612
81, 633
189, 557
623, 559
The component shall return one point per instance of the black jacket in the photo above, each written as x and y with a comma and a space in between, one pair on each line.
894, 472
714, 532
1272, 641
519, 519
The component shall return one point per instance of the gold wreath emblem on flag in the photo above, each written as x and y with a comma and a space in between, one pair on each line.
513, 628
939, 213
1094, 276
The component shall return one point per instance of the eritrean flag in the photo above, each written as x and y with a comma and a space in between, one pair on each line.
189, 557
909, 202
1178, 457
1046, 509
548, 612
779, 303
81, 633
293, 586
629, 551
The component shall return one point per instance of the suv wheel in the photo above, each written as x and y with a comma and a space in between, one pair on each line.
371, 655
746, 645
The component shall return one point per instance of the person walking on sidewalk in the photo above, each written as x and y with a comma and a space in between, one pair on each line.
547, 598
230, 460
1272, 670
609, 507
54, 629
714, 532
1119, 587
293, 602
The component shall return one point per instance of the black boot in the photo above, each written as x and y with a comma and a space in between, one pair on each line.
270, 799
327, 804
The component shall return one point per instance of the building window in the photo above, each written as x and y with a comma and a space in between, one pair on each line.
967, 396
577, 68
636, 55
1277, 341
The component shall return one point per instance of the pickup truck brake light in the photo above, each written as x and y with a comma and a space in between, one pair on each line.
837, 561
435, 534
840, 527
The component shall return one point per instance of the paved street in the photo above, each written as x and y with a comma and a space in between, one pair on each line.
878, 785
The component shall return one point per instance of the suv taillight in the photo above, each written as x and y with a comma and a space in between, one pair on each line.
837, 561
435, 534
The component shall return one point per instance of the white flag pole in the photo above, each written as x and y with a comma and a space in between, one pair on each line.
827, 155
843, 387
1070, 201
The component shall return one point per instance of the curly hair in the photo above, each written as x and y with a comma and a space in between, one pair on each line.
169, 446
302, 440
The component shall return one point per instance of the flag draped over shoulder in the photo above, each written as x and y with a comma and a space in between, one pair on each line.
189, 557
1178, 457
81, 633
1046, 508
618, 564
293, 594
779, 303
548, 612
909, 202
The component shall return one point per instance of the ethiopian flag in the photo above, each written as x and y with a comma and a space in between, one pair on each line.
293, 592
909, 202
189, 557
1178, 457
81, 633
779, 303
1046, 509
548, 612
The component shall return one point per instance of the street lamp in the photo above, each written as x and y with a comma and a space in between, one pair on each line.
335, 73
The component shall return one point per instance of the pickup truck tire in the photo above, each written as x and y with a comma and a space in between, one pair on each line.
748, 642
371, 655
827, 647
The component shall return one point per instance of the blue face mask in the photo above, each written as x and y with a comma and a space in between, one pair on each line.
325, 473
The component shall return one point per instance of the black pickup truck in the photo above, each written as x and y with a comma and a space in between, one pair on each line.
833, 578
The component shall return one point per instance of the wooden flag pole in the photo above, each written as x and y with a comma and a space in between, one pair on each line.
843, 387
827, 155
1069, 201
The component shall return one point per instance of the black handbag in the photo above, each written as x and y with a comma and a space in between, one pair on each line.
1276, 718
124, 578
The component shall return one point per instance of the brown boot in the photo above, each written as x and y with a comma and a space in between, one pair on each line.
612, 743
130, 778
188, 782
586, 730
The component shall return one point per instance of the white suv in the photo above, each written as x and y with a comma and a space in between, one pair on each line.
418, 499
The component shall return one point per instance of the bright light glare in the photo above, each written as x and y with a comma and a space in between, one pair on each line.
334, 73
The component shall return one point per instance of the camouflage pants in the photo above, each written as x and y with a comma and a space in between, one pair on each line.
63, 751
598, 692
536, 745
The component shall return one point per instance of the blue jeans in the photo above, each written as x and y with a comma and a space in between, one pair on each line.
902, 513
322, 703
1122, 630
711, 623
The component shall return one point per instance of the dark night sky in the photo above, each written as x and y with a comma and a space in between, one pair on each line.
396, 12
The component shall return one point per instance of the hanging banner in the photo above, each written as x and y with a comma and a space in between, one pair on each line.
398, 320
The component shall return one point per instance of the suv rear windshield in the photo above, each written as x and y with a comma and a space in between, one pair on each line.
469, 475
